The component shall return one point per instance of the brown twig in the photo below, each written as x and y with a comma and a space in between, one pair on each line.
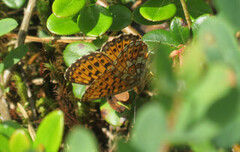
25, 116
58, 39
20, 41
185, 10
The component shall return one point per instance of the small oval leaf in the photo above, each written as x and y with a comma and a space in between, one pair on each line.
7, 25
110, 115
61, 26
179, 30
13, 57
20, 141
158, 10
94, 20
76, 50
14, 4
67, 8
122, 17
138, 18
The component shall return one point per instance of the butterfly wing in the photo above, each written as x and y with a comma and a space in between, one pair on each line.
114, 80
88, 68
114, 47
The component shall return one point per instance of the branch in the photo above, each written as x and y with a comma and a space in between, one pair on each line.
185, 10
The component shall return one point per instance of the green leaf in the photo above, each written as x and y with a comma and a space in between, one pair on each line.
50, 132
20, 141
179, 30
76, 50
61, 26
230, 134
229, 11
81, 140
220, 84
8, 127
157, 10
161, 43
67, 8
13, 57
196, 24
94, 20
198, 7
15, 4
110, 115
7, 25
150, 129
125, 146
216, 36
4, 144
78, 90
138, 18
160, 37
100, 41
122, 17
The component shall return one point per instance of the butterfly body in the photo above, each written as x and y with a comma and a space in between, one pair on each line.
119, 66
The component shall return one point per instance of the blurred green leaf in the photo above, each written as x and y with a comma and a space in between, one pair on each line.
61, 26
50, 132
220, 84
150, 130
192, 69
7, 25
197, 23
14, 4
230, 134
229, 12
110, 115
122, 17
13, 57
203, 147
138, 18
157, 10
81, 140
218, 41
124, 146
20, 141
94, 20
76, 50
4, 144
8, 127
67, 8
179, 30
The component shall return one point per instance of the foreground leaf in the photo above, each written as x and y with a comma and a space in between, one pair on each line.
81, 140
7, 25
50, 132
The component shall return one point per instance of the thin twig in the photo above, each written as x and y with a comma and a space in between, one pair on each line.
185, 10
25, 116
58, 39
20, 41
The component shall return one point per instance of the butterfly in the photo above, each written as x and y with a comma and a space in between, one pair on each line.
119, 66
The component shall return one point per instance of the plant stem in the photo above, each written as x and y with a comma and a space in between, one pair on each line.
185, 10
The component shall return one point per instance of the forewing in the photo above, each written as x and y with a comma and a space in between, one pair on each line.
88, 68
114, 47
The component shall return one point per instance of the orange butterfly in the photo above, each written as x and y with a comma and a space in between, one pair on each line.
119, 66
